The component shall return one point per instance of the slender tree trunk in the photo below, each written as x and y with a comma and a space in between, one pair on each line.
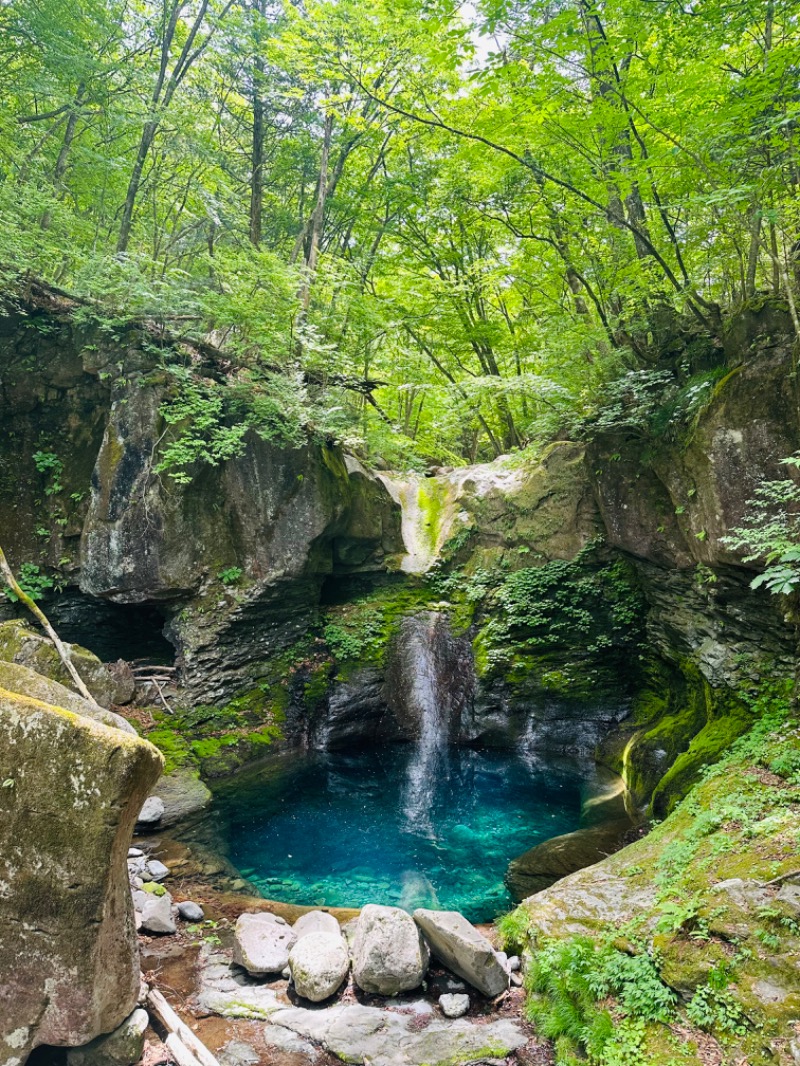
124, 236
257, 151
752, 252
317, 218
8, 576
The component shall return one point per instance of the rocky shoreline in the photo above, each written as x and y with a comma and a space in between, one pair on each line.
382, 988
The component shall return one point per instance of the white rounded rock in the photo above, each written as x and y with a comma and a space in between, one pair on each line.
261, 944
389, 954
156, 914
454, 1006
152, 811
316, 922
155, 871
319, 963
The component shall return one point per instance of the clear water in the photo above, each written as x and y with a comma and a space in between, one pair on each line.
408, 826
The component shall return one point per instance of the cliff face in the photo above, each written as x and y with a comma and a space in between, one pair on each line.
586, 599
669, 501
233, 560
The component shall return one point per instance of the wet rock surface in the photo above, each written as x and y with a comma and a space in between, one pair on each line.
405, 1033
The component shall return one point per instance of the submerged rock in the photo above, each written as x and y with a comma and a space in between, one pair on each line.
69, 967
123, 1047
548, 862
465, 951
319, 963
262, 944
389, 954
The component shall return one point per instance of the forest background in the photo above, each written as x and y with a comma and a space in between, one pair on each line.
436, 232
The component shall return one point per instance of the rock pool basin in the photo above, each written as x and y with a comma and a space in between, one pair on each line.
381, 825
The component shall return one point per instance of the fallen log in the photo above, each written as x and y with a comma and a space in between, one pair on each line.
185, 1045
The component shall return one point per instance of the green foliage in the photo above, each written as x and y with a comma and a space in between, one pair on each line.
587, 609
571, 982
212, 422
770, 533
468, 282
230, 575
33, 581
716, 1009
49, 463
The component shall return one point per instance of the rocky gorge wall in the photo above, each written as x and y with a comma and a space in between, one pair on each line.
586, 601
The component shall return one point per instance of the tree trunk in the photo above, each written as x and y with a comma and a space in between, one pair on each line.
39, 615
317, 218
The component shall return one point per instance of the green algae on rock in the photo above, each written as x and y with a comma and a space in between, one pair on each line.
72, 788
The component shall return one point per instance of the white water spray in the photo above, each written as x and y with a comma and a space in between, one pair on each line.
428, 766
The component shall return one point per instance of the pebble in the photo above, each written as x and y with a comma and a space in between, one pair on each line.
454, 1006
516, 980
191, 912
155, 871
135, 853
513, 964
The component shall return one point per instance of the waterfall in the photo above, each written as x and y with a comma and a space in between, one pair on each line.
425, 518
428, 706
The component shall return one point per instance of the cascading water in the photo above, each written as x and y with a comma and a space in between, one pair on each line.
428, 766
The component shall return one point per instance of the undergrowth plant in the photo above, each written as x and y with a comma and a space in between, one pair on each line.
571, 983
770, 533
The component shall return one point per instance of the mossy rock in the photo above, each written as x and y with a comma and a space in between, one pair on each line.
23, 645
72, 789
28, 682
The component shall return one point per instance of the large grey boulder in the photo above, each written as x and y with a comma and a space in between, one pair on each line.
316, 922
389, 954
181, 793
262, 944
319, 963
72, 787
123, 1047
26, 682
463, 950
